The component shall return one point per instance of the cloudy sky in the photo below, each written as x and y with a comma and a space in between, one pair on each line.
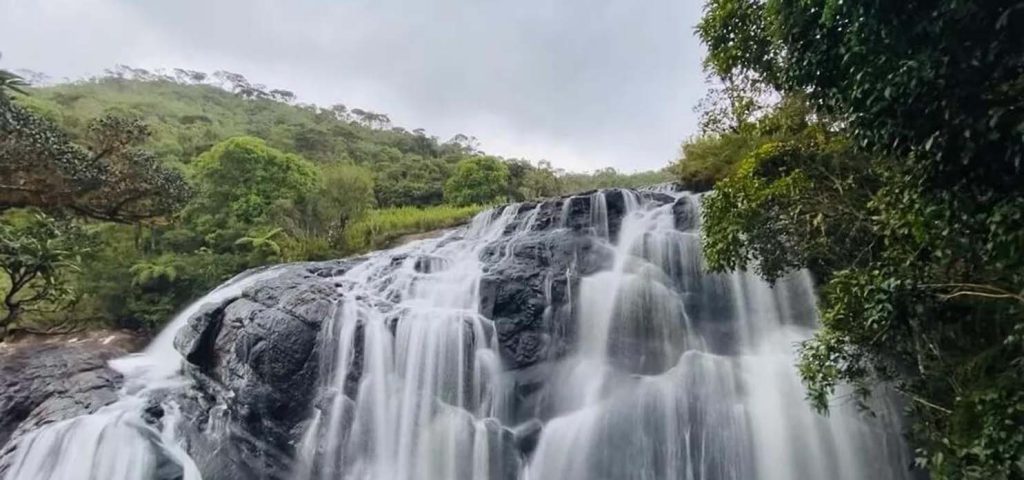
583, 83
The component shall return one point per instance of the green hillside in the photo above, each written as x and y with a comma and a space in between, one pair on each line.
410, 167
131, 194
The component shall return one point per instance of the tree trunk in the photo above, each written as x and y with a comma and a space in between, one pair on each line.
8, 320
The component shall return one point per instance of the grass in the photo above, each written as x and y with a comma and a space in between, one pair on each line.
380, 228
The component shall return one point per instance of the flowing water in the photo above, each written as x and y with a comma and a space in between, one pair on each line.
115, 443
674, 374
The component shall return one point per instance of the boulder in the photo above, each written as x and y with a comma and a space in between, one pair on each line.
255, 360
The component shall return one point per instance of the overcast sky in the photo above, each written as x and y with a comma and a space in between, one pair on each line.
585, 84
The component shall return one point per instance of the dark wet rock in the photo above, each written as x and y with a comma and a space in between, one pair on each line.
615, 202
255, 361
577, 213
525, 291
686, 213
549, 214
527, 436
657, 197
48, 383
430, 264
505, 460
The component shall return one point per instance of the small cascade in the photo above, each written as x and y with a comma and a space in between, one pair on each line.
414, 380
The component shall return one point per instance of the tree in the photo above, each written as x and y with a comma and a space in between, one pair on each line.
529, 182
282, 95
733, 105
542, 182
932, 304
790, 205
465, 144
344, 196
262, 243
12, 82
409, 179
36, 252
155, 273
518, 170
239, 179
718, 152
189, 76
111, 180
477, 181
340, 112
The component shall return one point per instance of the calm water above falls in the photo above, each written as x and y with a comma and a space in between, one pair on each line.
631, 364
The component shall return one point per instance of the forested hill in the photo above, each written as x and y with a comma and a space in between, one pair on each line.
126, 196
190, 112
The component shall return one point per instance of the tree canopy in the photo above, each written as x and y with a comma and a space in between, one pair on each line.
239, 179
477, 181
36, 252
108, 179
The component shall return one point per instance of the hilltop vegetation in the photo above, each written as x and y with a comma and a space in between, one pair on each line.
128, 195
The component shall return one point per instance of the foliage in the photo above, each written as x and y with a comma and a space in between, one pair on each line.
110, 180
477, 181
36, 251
789, 206
527, 181
238, 181
12, 82
155, 273
189, 112
410, 179
717, 153
133, 289
380, 228
345, 194
919, 249
262, 243
709, 158
736, 33
541, 181
610, 178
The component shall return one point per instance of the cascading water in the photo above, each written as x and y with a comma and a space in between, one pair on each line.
427, 368
685, 375
649, 368
115, 443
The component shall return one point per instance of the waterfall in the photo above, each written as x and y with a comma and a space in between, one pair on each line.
653, 368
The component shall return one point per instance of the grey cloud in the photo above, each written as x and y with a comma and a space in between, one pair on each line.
586, 84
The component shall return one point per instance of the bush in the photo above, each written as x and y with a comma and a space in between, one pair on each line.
477, 181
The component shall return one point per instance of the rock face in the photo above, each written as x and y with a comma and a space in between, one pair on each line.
255, 360
42, 384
